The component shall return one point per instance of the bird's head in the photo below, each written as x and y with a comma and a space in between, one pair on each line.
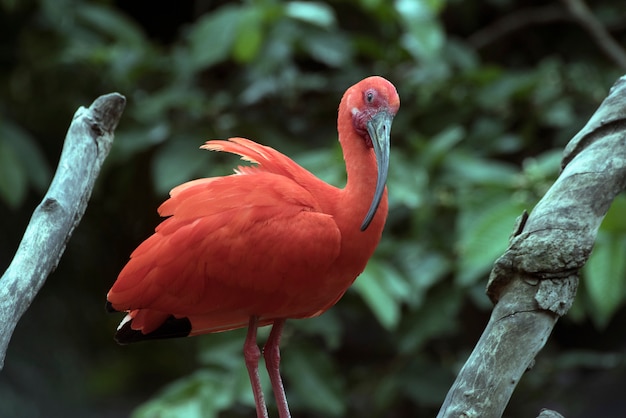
373, 103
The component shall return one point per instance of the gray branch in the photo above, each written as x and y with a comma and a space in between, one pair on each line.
87, 144
534, 282
546, 413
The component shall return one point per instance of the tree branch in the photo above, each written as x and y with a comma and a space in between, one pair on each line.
516, 21
534, 282
87, 144
546, 413
575, 11
580, 11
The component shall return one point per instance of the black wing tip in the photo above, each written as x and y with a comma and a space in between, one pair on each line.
171, 328
109, 307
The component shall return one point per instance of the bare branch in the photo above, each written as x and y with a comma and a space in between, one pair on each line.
574, 11
87, 144
580, 11
517, 21
534, 282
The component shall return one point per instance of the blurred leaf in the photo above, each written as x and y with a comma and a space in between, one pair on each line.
52, 13
382, 288
423, 267
545, 165
216, 387
108, 21
249, 36
178, 161
615, 221
461, 56
488, 134
330, 48
440, 145
473, 170
483, 236
326, 163
203, 394
223, 350
21, 163
424, 382
131, 141
151, 109
502, 90
605, 273
12, 176
313, 12
28, 154
560, 114
328, 326
589, 359
406, 181
436, 317
310, 371
424, 37
212, 37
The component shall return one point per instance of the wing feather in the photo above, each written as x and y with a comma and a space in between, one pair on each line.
267, 158
231, 247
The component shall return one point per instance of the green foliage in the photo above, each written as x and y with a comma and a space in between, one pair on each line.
22, 164
478, 139
311, 371
606, 268
222, 381
383, 289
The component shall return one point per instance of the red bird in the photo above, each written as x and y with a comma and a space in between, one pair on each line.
270, 242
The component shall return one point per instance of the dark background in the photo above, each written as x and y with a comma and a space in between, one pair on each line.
491, 92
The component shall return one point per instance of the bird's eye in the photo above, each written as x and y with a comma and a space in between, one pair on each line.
369, 96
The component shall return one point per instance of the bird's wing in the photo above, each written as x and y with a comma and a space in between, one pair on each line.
232, 247
266, 158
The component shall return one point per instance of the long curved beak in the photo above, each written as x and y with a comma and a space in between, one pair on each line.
379, 129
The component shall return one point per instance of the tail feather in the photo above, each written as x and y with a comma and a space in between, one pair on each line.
171, 328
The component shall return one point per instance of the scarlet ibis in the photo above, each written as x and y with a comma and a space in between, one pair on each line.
270, 242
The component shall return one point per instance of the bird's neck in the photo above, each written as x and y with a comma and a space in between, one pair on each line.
362, 173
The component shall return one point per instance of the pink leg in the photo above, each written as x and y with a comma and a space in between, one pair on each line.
271, 352
252, 354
